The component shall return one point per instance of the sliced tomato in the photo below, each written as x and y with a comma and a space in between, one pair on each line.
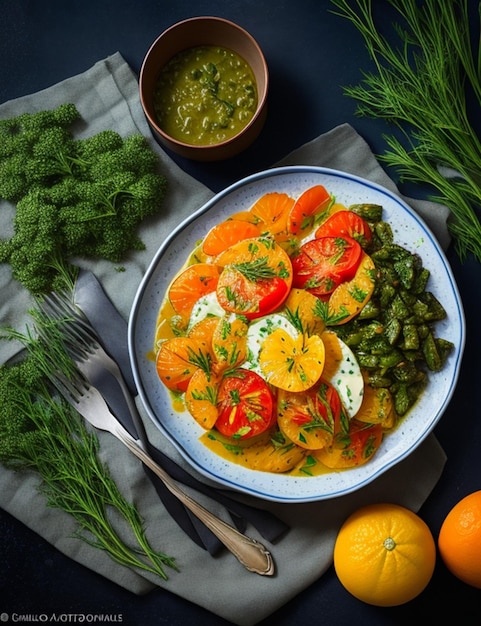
309, 203
344, 223
323, 264
256, 278
310, 419
353, 448
252, 299
245, 405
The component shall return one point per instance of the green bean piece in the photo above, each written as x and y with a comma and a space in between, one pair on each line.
393, 330
383, 232
410, 337
398, 309
421, 281
368, 212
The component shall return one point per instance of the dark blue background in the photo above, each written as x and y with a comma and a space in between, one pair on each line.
311, 54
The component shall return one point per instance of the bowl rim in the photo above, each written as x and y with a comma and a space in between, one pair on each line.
262, 98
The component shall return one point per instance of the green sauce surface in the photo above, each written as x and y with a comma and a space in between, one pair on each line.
205, 95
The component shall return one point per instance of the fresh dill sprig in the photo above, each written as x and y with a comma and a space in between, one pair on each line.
258, 269
420, 85
43, 433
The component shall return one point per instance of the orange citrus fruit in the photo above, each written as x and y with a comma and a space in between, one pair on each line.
272, 210
310, 202
292, 363
190, 285
201, 398
459, 540
226, 234
350, 297
384, 554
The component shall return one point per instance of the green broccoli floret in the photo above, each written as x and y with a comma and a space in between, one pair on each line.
74, 197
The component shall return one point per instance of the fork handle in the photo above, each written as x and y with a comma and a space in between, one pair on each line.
253, 555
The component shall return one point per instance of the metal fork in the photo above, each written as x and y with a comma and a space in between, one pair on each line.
88, 353
89, 402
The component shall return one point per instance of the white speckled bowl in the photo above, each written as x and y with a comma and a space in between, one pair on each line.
409, 231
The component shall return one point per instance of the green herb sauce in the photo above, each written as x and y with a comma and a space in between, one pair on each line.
205, 95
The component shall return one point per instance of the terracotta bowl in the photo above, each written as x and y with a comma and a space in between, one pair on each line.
199, 31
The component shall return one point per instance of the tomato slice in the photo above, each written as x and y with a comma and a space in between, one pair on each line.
323, 264
256, 278
252, 299
245, 405
344, 223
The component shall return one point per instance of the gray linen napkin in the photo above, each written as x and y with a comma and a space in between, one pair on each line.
107, 97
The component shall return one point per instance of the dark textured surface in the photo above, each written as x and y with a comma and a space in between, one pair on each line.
311, 54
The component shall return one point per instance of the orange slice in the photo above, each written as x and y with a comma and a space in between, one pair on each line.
229, 342
272, 211
177, 360
201, 398
377, 407
293, 364
300, 308
191, 284
225, 234
353, 448
309, 203
350, 297
202, 332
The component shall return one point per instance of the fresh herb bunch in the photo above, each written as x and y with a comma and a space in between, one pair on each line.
74, 197
44, 434
421, 86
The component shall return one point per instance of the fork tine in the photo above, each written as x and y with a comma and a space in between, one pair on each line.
82, 339
65, 387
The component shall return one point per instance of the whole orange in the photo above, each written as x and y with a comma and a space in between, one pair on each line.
384, 554
459, 540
